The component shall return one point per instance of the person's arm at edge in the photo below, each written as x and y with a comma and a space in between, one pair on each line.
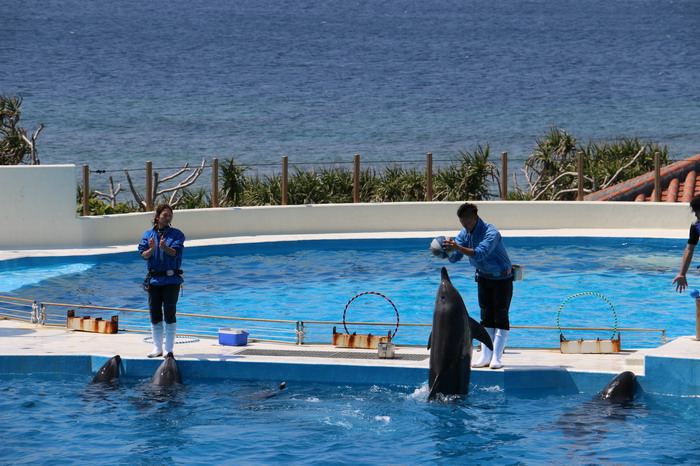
680, 280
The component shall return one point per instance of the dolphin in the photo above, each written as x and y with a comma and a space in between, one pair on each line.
450, 342
167, 374
109, 370
275, 392
267, 394
620, 389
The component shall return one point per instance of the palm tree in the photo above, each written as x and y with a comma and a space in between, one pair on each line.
15, 145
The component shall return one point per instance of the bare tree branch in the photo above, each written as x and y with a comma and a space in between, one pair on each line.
34, 156
189, 181
139, 200
173, 200
570, 190
175, 175
634, 159
112, 196
551, 183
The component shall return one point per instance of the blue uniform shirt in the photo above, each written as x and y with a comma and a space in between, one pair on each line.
160, 261
490, 257
694, 233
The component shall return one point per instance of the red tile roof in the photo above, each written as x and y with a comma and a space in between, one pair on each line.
680, 181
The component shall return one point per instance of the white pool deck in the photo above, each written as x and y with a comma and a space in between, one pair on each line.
25, 339
22, 339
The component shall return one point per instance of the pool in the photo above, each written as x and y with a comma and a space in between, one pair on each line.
50, 418
315, 279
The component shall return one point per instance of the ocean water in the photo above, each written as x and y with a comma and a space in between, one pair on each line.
119, 83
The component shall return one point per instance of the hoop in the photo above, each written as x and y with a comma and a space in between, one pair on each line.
378, 294
588, 293
178, 339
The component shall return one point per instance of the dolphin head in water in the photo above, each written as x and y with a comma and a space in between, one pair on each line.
109, 370
167, 374
621, 389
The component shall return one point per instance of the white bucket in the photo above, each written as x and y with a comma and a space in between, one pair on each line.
518, 272
386, 350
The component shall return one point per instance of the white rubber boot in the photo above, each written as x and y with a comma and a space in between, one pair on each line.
486, 353
499, 345
157, 332
169, 337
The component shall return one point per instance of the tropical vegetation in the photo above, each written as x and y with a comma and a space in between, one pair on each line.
16, 144
550, 173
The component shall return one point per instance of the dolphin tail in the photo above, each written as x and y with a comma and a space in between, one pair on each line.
479, 333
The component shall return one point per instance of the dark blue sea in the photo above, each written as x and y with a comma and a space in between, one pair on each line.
121, 82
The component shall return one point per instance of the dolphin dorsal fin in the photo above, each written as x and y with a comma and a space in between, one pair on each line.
479, 333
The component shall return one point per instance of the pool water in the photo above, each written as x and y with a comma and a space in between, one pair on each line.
314, 280
50, 419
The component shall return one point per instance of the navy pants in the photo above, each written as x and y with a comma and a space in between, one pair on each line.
163, 300
494, 301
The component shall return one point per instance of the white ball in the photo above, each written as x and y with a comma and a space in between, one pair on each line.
437, 249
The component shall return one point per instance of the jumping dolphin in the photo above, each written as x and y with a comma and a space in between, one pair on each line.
450, 342
620, 389
109, 370
168, 373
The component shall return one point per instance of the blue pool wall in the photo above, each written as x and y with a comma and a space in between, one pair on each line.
674, 376
664, 375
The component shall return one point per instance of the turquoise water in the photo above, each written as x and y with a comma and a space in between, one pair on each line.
49, 419
175, 81
314, 280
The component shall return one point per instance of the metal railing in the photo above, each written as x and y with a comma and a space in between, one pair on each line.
304, 332
19, 309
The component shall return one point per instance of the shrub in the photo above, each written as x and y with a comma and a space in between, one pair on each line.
551, 172
468, 179
234, 182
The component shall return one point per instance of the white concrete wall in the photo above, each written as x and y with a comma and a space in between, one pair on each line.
37, 206
39, 203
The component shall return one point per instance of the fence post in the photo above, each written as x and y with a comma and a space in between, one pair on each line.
215, 182
504, 175
86, 190
285, 177
300, 332
579, 196
657, 177
356, 179
428, 177
149, 186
